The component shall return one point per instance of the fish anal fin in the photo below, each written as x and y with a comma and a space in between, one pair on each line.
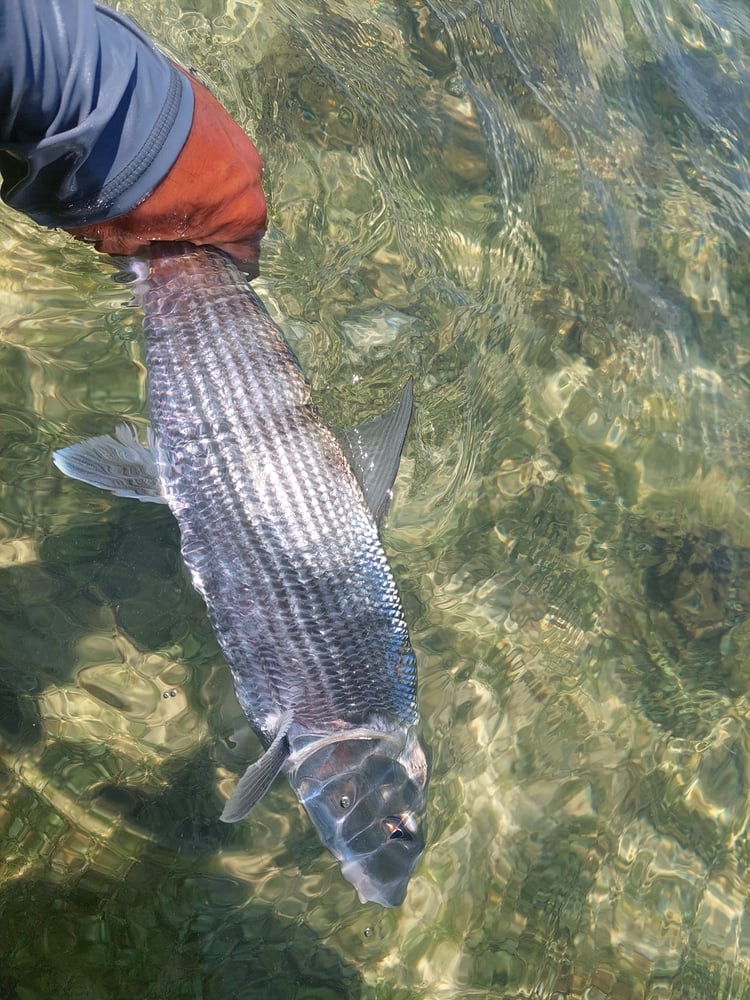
119, 463
259, 776
374, 450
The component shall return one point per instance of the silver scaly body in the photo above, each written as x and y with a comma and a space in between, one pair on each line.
274, 527
280, 538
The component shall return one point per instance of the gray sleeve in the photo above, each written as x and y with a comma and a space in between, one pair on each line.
93, 114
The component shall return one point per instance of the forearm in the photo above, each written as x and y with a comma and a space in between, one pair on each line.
94, 116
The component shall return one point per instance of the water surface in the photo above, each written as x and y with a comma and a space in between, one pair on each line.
540, 212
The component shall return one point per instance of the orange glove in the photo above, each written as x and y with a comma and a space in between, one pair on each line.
212, 194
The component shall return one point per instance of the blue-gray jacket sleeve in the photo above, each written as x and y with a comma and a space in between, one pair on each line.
92, 115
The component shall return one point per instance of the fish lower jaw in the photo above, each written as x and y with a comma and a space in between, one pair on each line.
368, 890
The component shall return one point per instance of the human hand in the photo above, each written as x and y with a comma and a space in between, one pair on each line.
211, 195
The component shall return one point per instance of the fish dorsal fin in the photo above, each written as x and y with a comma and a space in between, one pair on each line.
259, 777
374, 450
120, 464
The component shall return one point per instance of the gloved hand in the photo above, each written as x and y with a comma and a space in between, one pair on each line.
212, 194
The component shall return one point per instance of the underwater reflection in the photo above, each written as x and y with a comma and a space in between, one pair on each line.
540, 213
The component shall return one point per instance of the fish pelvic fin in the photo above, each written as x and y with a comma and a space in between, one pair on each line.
373, 450
259, 776
119, 463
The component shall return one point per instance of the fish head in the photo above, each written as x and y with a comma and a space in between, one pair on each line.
366, 796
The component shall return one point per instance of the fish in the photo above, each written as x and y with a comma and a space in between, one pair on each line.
279, 520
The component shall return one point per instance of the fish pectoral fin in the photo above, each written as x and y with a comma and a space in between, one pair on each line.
259, 777
374, 450
120, 464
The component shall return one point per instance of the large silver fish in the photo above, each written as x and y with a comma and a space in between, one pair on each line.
279, 532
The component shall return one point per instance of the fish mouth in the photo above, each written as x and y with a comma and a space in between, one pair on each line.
391, 893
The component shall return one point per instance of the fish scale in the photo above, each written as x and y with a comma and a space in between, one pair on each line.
280, 537
287, 529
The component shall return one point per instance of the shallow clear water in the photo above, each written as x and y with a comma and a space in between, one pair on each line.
541, 212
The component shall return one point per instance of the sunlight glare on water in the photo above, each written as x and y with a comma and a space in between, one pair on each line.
539, 212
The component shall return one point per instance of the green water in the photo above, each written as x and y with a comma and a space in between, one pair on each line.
541, 212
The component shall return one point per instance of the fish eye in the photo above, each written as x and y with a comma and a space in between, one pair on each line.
396, 828
345, 795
